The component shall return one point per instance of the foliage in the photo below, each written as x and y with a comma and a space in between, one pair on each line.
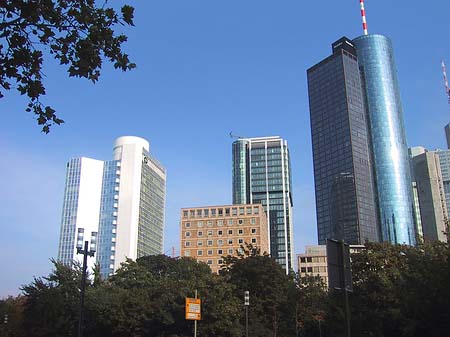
79, 34
399, 291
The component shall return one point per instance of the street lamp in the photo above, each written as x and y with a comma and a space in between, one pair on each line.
85, 253
246, 304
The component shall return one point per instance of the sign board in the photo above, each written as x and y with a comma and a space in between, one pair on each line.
339, 265
193, 309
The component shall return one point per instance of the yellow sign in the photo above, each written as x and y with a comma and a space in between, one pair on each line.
193, 309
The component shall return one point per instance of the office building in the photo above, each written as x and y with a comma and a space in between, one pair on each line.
117, 205
344, 186
388, 141
430, 190
262, 175
210, 233
314, 263
447, 135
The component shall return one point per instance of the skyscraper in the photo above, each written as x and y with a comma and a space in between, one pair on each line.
262, 175
388, 141
345, 192
430, 190
117, 205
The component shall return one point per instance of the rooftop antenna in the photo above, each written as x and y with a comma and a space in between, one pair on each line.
447, 89
363, 16
234, 136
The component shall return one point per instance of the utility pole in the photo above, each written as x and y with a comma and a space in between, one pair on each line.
85, 253
246, 304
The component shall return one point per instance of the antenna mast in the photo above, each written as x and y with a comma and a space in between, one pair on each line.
447, 89
363, 17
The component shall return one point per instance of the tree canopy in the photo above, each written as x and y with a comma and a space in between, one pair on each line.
79, 34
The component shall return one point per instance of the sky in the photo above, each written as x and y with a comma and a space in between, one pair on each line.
204, 68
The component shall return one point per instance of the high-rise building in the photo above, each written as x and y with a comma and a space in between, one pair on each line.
444, 162
118, 205
430, 189
210, 233
447, 135
314, 263
388, 141
262, 175
345, 192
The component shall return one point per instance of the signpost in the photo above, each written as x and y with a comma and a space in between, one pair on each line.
194, 310
246, 304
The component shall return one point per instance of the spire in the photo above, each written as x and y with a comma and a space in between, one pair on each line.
363, 16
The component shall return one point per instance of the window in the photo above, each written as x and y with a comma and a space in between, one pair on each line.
199, 252
199, 223
209, 262
309, 259
241, 231
219, 222
241, 241
227, 211
240, 221
187, 253
302, 259
209, 223
253, 240
303, 269
230, 251
230, 232
210, 252
253, 230
220, 211
187, 224
309, 269
255, 210
220, 242
199, 243
249, 210
253, 221
210, 242
206, 213
220, 261
187, 234
213, 212
219, 233
199, 213
199, 233
220, 251
210, 232
230, 222
192, 213
234, 211
230, 241
241, 210
185, 214
187, 244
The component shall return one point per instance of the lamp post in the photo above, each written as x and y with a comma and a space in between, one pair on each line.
85, 253
246, 304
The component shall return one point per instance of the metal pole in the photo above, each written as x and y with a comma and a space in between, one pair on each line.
345, 292
195, 322
246, 321
83, 288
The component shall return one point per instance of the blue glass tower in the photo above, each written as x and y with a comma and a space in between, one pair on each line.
389, 149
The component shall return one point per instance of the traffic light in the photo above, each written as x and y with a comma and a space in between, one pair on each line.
246, 297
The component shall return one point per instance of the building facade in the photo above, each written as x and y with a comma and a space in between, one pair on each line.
262, 175
388, 141
121, 201
208, 234
344, 186
314, 263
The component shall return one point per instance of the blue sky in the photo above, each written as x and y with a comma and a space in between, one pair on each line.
205, 68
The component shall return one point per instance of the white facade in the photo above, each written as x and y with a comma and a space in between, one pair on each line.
111, 198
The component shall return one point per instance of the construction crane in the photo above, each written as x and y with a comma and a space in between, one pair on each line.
235, 137
447, 88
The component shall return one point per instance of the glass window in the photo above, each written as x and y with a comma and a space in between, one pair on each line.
199, 213
230, 251
303, 269
220, 251
199, 243
187, 234
185, 214
234, 211
199, 233
241, 231
187, 244
253, 240
210, 223
220, 242
210, 232
253, 221
230, 241
220, 261
210, 262
253, 230
210, 242
230, 232
199, 223
213, 212
219, 222
309, 259
219, 232
187, 253
199, 252
241, 241
210, 252
227, 211
241, 210
230, 222
187, 225
240, 221
302, 260
206, 213
220, 211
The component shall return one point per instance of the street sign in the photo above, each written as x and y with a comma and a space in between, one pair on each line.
193, 309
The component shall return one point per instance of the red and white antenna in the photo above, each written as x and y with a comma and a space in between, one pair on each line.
363, 17
447, 89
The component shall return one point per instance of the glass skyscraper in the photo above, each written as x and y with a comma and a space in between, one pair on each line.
344, 187
262, 175
117, 205
389, 149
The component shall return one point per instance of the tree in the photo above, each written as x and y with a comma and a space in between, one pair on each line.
77, 33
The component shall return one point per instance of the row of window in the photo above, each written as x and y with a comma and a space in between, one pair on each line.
212, 212
220, 252
220, 242
318, 269
211, 223
219, 232
314, 259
